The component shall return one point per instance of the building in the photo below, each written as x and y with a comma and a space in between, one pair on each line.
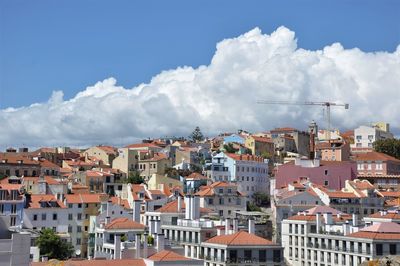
14, 164
249, 172
194, 181
325, 236
157, 164
260, 145
331, 174
46, 211
15, 249
333, 150
80, 208
365, 136
157, 181
12, 201
105, 153
235, 247
376, 163
291, 140
223, 198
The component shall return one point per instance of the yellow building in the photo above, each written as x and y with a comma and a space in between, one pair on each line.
156, 181
155, 165
105, 153
259, 145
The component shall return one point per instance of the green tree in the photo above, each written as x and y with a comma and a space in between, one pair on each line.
266, 155
135, 178
261, 199
52, 246
251, 207
229, 148
388, 146
196, 135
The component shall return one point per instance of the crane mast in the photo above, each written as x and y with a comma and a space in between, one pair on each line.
326, 104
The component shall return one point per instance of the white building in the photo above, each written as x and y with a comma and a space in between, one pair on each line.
364, 136
14, 251
250, 172
325, 236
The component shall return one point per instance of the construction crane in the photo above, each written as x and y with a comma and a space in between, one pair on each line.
326, 104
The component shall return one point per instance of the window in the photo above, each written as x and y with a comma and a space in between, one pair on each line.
13, 221
326, 183
70, 205
379, 250
221, 201
54, 229
221, 212
54, 216
326, 172
43, 217
78, 229
69, 229
80, 205
78, 241
35, 217
262, 254
392, 249
70, 216
79, 216
210, 201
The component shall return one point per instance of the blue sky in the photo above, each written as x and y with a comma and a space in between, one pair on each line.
68, 45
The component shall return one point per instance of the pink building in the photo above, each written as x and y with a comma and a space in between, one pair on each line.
331, 174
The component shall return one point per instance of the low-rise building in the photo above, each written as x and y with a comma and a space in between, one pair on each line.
105, 153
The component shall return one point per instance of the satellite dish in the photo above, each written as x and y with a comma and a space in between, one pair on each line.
78, 252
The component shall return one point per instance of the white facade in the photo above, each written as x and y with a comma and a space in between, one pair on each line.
364, 136
15, 251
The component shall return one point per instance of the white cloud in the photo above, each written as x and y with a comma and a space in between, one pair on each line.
220, 96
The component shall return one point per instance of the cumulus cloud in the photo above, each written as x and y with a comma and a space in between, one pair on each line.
220, 96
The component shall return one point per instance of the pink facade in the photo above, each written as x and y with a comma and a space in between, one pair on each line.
329, 174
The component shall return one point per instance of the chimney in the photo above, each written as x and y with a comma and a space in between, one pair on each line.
346, 228
187, 207
195, 207
160, 242
252, 226
220, 231
235, 225
318, 222
145, 246
157, 227
107, 220
328, 218
151, 227
227, 226
137, 245
179, 204
108, 208
117, 247
136, 210
355, 220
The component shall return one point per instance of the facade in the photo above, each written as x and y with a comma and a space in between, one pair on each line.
365, 136
80, 208
325, 236
13, 164
105, 153
157, 181
15, 249
249, 172
157, 164
12, 201
376, 163
260, 145
223, 198
333, 150
330, 174
291, 140
46, 211
241, 248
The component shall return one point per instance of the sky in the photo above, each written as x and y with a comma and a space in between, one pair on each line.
150, 59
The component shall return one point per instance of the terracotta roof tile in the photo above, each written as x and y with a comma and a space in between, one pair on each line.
167, 255
241, 238
85, 198
124, 223
374, 156
36, 200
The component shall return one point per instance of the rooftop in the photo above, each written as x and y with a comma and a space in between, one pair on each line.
241, 238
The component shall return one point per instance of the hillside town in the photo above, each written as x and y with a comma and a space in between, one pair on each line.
283, 196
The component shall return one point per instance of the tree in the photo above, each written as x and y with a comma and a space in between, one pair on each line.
261, 199
196, 135
135, 178
52, 246
388, 146
251, 207
229, 148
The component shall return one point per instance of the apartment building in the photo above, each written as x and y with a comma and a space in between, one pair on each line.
80, 208
157, 164
223, 198
14, 164
104, 153
325, 236
365, 136
12, 201
334, 150
260, 145
46, 211
233, 247
249, 172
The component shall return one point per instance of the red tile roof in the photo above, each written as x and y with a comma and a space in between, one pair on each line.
47, 164
85, 198
262, 139
124, 223
374, 156
108, 149
241, 238
385, 230
167, 255
196, 176
245, 157
36, 200
172, 207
